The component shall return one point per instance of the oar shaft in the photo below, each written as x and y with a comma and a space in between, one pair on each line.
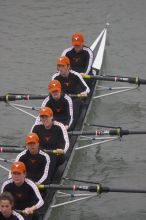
113, 132
11, 146
11, 150
107, 189
70, 187
133, 80
15, 97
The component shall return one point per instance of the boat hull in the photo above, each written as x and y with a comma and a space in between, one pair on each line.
98, 46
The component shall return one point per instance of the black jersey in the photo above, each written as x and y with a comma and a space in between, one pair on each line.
25, 195
53, 138
80, 61
73, 83
14, 216
62, 108
37, 166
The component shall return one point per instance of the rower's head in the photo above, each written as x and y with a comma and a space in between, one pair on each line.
32, 142
6, 204
63, 65
77, 41
18, 171
46, 116
54, 87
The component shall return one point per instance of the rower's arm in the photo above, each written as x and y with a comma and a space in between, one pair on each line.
64, 134
46, 169
70, 110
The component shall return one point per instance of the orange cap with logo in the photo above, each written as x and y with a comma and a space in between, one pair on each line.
18, 167
31, 138
77, 39
46, 111
54, 85
63, 60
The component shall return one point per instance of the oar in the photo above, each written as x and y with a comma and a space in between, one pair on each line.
14, 97
95, 188
11, 97
18, 150
133, 80
118, 132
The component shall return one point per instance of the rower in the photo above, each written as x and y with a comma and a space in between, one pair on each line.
60, 103
6, 208
25, 192
71, 81
81, 57
36, 161
53, 136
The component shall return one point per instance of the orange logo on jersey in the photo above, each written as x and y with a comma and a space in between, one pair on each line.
67, 84
33, 161
58, 109
76, 59
19, 195
47, 138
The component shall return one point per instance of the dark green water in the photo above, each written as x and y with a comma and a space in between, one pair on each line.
32, 35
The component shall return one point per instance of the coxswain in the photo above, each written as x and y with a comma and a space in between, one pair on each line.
26, 194
37, 162
71, 82
60, 103
53, 136
6, 208
80, 56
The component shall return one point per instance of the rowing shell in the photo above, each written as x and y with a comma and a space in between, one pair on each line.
50, 200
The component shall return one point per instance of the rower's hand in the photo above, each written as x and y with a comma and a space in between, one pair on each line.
28, 211
59, 151
82, 74
83, 94
67, 127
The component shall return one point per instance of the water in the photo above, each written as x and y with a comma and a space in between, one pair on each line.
32, 35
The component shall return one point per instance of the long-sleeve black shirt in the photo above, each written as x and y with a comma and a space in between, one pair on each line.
52, 138
37, 165
13, 216
25, 195
80, 61
62, 108
73, 83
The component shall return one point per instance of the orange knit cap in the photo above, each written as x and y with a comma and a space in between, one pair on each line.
46, 111
31, 138
63, 60
77, 39
18, 167
54, 85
